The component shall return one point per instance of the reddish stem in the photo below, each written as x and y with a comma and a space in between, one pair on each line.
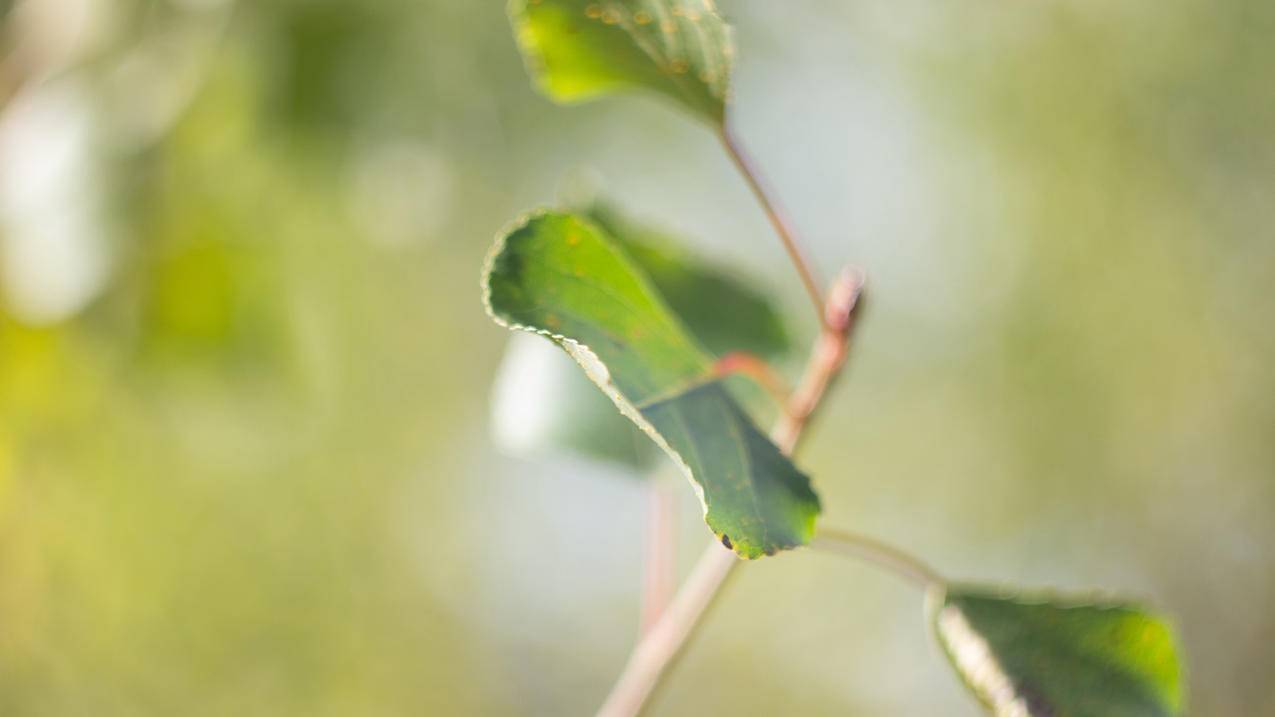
658, 577
755, 368
776, 216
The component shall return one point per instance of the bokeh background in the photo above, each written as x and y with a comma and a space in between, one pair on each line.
245, 457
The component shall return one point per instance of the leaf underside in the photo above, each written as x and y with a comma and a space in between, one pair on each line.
561, 276
581, 49
1056, 657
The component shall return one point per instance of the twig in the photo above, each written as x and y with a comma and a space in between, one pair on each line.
782, 227
662, 643
892, 559
840, 314
658, 573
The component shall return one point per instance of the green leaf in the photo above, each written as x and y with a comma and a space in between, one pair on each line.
724, 313
565, 413
1060, 657
581, 49
560, 276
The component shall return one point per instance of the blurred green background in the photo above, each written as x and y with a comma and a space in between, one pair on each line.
245, 464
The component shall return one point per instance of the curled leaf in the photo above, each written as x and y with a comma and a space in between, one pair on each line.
560, 276
544, 406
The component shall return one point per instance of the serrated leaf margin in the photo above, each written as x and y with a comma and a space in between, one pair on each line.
588, 361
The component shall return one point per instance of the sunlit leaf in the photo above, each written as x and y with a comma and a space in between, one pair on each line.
564, 413
560, 276
722, 312
580, 49
1060, 657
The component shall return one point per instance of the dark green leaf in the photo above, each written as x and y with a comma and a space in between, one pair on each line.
580, 49
560, 276
1058, 657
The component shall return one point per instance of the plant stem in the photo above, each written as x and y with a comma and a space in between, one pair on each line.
892, 559
839, 317
662, 643
782, 227
658, 574
755, 368
660, 646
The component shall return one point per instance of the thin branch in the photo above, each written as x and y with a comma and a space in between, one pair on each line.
660, 646
782, 227
658, 576
892, 559
662, 643
840, 316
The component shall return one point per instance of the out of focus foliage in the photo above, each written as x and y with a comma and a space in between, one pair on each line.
243, 454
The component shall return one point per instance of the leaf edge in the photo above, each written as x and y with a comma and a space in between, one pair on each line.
597, 371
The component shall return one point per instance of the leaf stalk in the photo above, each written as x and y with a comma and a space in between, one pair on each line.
888, 557
777, 218
755, 368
